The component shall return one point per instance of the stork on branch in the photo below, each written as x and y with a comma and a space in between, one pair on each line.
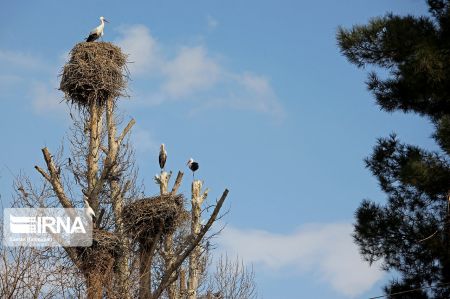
89, 211
192, 166
162, 156
97, 32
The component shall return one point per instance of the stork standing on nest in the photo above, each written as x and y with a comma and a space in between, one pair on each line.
97, 32
192, 166
89, 211
162, 157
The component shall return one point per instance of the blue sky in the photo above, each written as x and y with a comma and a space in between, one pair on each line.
256, 91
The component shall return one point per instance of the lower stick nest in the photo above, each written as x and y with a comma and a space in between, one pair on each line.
100, 256
95, 72
147, 218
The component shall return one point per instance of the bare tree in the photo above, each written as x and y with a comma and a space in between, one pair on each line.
141, 247
232, 280
27, 272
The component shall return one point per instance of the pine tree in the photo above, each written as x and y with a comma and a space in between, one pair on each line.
410, 234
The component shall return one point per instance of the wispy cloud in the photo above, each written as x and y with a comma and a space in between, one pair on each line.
142, 49
194, 73
325, 251
259, 95
190, 71
247, 91
44, 95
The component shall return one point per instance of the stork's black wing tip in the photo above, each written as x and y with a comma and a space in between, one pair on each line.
91, 38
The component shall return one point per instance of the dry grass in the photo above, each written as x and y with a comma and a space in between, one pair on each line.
95, 72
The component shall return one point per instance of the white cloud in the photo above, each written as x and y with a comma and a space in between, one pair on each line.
141, 47
192, 74
247, 91
190, 71
259, 95
44, 95
326, 251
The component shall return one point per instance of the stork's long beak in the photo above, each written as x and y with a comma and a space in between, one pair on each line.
106, 20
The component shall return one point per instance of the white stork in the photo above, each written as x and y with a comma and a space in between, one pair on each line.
162, 156
89, 211
97, 32
192, 166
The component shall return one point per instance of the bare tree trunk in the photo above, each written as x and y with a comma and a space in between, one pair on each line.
194, 263
169, 259
145, 273
117, 201
163, 181
183, 253
168, 242
95, 126
182, 283
168, 254
94, 286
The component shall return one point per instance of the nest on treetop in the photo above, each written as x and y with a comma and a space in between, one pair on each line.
146, 218
100, 256
95, 72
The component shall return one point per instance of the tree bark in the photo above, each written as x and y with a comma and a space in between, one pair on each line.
168, 254
194, 270
145, 273
117, 201
183, 283
95, 126
183, 253
94, 286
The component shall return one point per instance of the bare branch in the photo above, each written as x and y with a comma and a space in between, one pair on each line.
100, 218
43, 173
232, 279
125, 131
177, 183
182, 254
104, 149
54, 179
125, 188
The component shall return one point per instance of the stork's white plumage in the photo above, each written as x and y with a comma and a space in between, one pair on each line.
89, 211
97, 32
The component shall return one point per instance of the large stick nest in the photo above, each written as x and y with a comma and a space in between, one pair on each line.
96, 72
101, 255
147, 218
